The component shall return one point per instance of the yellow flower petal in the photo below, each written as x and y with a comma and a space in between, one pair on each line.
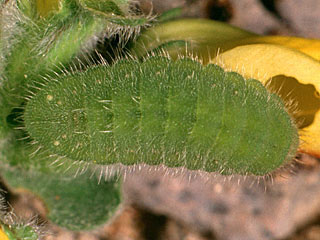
310, 47
292, 74
3, 236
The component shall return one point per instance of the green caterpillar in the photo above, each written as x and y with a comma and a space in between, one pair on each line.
176, 113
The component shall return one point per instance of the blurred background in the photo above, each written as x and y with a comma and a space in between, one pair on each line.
276, 17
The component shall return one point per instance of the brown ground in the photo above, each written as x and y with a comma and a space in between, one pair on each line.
192, 206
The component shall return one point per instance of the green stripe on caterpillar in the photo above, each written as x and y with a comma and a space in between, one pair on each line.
177, 113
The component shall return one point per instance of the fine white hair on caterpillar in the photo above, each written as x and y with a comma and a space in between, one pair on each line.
162, 112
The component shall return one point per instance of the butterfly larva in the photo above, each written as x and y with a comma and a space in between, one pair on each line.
177, 113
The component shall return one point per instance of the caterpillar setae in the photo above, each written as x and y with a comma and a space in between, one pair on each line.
177, 113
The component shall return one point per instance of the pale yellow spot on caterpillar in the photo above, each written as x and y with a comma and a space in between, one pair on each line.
49, 97
56, 143
59, 102
64, 136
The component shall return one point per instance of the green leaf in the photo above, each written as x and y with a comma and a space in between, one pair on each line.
170, 14
203, 38
76, 203
18, 232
